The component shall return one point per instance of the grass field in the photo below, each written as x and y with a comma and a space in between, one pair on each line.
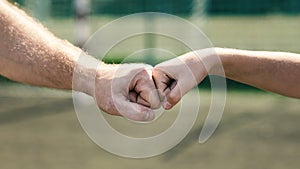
269, 32
39, 128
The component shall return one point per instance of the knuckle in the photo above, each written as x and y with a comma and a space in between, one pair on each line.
157, 71
143, 75
143, 71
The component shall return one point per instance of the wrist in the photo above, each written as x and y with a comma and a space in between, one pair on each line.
203, 62
213, 60
195, 64
85, 73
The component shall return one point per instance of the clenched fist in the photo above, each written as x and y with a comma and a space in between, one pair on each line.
127, 90
175, 77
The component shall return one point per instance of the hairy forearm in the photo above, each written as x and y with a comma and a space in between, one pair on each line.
278, 72
30, 54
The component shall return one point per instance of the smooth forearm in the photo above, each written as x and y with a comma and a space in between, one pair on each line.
278, 72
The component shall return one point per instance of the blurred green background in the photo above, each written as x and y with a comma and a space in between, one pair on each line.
39, 128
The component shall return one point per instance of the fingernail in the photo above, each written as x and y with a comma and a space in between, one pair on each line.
167, 105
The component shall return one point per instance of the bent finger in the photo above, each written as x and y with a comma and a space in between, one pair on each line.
173, 97
135, 111
147, 92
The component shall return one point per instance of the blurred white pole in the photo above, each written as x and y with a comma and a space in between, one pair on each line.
199, 12
149, 22
82, 27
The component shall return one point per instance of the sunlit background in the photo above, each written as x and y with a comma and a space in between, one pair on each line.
39, 128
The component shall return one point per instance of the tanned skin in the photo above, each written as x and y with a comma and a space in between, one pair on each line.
30, 54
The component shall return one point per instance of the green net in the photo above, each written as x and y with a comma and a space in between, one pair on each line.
245, 24
180, 7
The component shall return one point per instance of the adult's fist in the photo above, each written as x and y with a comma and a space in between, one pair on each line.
127, 90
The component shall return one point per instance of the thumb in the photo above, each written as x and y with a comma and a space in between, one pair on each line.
162, 81
178, 90
134, 111
173, 97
